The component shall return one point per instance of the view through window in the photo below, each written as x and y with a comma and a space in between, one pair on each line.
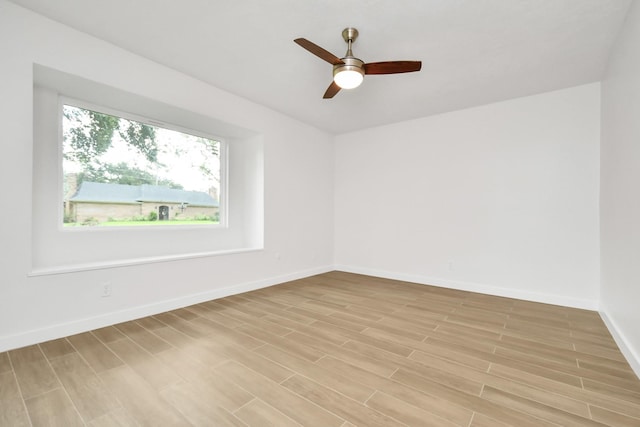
122, 172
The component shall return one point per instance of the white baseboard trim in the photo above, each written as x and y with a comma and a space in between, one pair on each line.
475, 287
627, 350
82, 325
60, 330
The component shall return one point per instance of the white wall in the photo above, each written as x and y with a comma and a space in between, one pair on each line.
501, 199
298, 192
620, 189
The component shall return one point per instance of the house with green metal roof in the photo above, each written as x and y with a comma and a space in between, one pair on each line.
101, 202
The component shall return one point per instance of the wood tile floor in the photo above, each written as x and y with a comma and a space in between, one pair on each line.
336, 349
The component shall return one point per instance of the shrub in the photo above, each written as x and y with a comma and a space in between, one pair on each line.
90, 221
203, 218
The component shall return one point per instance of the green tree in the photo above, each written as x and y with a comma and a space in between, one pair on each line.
90, 134
122, 173
208, 148
140, 136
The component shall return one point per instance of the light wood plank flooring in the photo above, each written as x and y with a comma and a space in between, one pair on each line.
336, 349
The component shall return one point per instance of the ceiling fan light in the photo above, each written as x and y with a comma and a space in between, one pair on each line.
349, 73
348, 79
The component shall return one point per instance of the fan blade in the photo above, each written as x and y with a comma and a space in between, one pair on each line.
392, 67
319, 52
331, 90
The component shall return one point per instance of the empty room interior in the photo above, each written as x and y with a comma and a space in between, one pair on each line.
205, 221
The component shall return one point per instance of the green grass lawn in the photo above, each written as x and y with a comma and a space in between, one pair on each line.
143, 223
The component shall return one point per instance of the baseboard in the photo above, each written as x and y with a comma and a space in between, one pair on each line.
627, 350
475, 287
35, 336
82, 325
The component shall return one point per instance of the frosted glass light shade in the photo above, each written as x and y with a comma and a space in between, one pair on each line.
348, 79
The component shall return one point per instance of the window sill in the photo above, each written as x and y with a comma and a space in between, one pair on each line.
74, 268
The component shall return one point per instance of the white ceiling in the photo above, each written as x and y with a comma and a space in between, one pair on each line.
473, 52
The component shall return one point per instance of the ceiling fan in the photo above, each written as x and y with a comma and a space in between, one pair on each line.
348, 72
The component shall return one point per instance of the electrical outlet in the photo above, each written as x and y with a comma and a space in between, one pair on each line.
106, 289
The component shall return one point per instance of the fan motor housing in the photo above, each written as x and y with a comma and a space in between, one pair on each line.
350, 64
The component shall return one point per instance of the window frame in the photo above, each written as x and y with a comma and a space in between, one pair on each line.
222, 155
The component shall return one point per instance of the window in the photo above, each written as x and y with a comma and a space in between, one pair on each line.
124, 171
60, 247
